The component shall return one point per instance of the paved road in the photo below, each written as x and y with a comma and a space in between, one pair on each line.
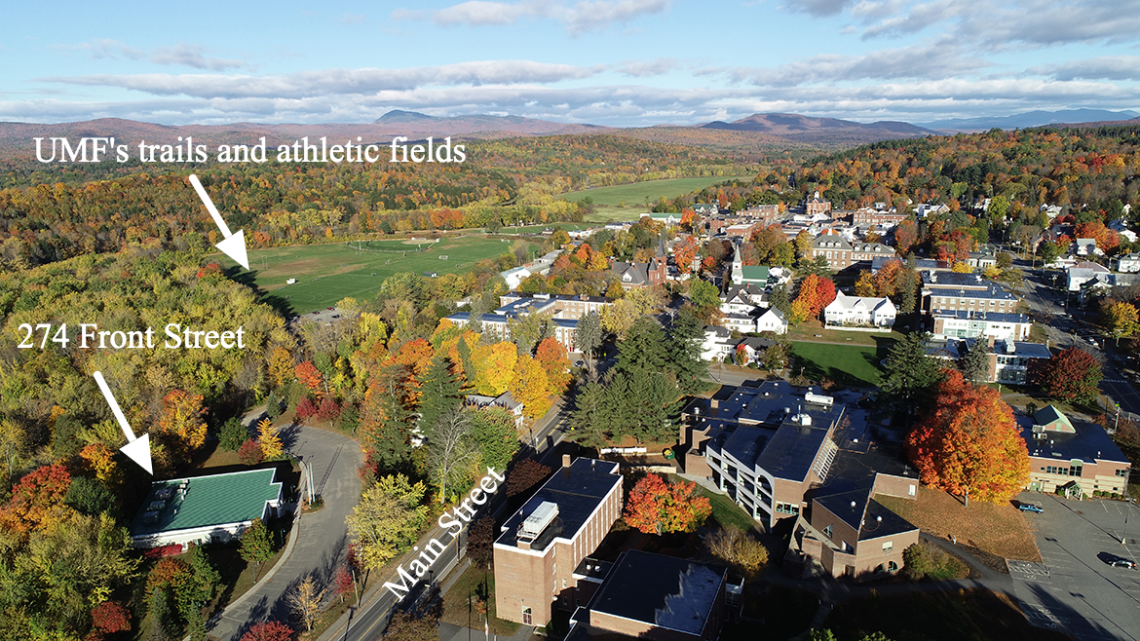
1074, 590
322, 537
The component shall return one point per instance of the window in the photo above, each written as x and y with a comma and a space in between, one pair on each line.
892, 567
888, 546
563, 583
827, 531
1123, 473
528, 619
910, 490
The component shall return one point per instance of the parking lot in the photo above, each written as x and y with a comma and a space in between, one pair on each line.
1074, 589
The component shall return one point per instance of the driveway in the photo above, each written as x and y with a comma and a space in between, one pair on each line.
322, 537
1074, 590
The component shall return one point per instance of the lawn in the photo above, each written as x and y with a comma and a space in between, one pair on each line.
649, 191
978, 615
807, 331
327, 273
725, 511
460, 604
852, 365
998, 530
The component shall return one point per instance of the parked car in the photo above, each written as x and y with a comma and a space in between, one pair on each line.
1119, 562
1030, 507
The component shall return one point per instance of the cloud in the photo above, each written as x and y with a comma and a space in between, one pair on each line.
819, 8
352, 18
182, 54
580, 17
1103, 68
642, 69
919, 18
939, 59
337, 81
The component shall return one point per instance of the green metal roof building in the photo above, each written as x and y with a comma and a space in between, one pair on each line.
755, 274
202, 509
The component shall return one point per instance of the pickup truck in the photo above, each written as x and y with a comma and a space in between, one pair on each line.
1030, 507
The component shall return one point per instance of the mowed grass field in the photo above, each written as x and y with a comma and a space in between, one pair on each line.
651, 190
327, 273
845, 364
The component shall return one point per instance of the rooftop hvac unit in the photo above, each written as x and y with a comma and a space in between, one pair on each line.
538, 521
164, 493
819, 399
150, 517
156, 505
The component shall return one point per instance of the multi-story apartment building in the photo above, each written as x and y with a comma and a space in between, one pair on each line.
841, 254
868, 216
764, 446
766, 214
540, 553
967, 324
1072, 458
951, 292
1009, 361
563, 312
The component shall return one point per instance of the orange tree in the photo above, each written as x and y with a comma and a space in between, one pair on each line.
969, 442
657, 507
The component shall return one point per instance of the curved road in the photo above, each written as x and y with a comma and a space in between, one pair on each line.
322, 536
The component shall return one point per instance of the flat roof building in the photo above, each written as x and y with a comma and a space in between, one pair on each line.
540, 548
204, 509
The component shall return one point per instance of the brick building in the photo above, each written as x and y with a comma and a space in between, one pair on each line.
1075, 458
868, 216
841, 254
951, 292
766, 214
656, 597
632, 275
967, 324
816, 205
540, 553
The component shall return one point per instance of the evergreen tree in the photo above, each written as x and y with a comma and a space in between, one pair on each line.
643, 349
233, 434
685, 356
911, 373
589, 421
643, 404
439, 394
780, 300
976, 364
588, 337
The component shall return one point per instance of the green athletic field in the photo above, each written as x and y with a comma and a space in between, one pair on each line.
635, 194
327, 273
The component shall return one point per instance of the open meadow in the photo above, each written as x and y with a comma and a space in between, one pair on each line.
649, 191
327, 273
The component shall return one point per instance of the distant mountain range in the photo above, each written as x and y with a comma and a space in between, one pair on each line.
1030, 119
755, 131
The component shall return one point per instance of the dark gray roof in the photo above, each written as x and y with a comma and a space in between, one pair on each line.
993, 317
577, 491
1090, 443
953, 279
792, 450
661, 590
857, 509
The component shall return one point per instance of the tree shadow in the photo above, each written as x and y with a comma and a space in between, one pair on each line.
1057, 614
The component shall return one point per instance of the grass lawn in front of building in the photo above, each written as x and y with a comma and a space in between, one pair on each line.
461, 603
853, 365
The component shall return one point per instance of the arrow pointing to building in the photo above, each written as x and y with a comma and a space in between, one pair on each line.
138, 449
234, 244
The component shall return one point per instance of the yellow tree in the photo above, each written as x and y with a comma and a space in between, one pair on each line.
1120, 317
182, 414
865, 286
280, 366
271, 448
495, 368
531, 387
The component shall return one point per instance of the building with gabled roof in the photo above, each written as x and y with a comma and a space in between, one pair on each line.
1073, 458
860, 312
539, 549
205, 509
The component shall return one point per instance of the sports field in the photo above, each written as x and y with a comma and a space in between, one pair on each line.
328, 273
648, 191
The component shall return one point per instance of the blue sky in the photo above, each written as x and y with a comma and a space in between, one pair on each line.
606, 62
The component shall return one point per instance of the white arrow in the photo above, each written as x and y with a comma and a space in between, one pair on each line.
234, 244
138, 449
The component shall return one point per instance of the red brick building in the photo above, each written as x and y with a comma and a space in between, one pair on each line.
868, 216
542, 546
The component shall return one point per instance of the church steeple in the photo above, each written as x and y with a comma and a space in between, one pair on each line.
737, 268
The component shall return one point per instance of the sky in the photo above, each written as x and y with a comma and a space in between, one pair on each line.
606, 62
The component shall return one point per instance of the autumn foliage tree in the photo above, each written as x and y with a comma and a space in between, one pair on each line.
182, 414
969, 441
268, 631
1071, 375
816, 292
109, 617
310, 377
556, 362
37, 500
657, 507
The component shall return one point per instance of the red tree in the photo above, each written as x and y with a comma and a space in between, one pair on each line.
526, 474
816, 292
268, 631
906, 235
342, 582
556, 362
969, 441
328, 410
306, 409
109, 617
37, 500
250, 453
1071, 375
657, 507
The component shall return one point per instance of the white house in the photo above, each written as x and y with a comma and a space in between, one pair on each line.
772, 321
742, 323
1128, 263
1081, 273
515, 276
860, 311
1086, 247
